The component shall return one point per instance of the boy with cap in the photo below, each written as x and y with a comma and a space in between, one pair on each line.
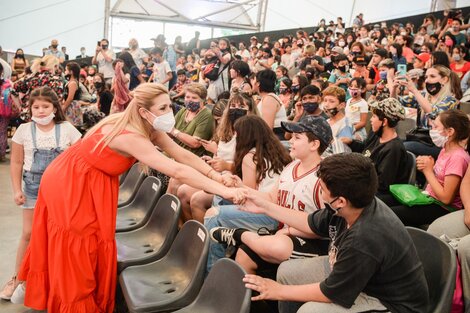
374, 72
298, 189
360, 69
384, 147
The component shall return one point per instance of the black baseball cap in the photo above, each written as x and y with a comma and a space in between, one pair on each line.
381, 52
311, 124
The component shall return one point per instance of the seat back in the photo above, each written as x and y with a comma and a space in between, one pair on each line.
130, 185
440, 266
465, 107
137, 213
404, 126
222, 291
411, 165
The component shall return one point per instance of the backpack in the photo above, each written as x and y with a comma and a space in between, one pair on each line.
6, 103
212, 69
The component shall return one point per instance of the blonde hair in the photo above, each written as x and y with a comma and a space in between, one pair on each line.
336, 92
198, 89
49, 62
143, 97
446, 90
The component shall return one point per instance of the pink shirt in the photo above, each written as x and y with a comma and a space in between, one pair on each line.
454, 163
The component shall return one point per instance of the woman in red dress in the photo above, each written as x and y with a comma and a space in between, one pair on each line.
70, 265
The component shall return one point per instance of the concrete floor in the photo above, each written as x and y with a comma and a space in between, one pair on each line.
10, 230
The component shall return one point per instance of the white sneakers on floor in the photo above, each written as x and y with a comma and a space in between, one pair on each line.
18, 295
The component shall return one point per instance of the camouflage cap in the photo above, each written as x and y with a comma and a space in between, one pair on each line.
313, 124
390, 107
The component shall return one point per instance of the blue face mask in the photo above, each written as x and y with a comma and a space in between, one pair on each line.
192, 106
383, 75
310, 107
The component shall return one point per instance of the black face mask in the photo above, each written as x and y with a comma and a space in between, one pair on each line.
104, 47
295, 88
54, 46
235, 114
67, 77
332, 112
433, 89
98, 85
342, 68
19, 56
310, 107
331, 209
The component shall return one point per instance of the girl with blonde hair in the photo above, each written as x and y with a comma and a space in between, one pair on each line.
73, 230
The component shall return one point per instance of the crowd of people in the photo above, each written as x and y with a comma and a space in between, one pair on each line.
285, 148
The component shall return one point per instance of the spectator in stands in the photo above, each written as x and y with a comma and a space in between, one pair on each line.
194, 122
135, 75
5, 84
44, 74
451, 128
223, 53
55, 52
194, 43
360, 69
19, 63
5, 65
105, 97
374, 73
64, 51
162, 72
356, 108
82, 54
437, 98
258, 161
440, 58
421, 61
358, 226
243, 52
334, 101
104, 57
139, 55
340, 77
178, 90
358, 21
70, 104
286, 58
453, 28
159, 42
430, 24
456, 227
298, 189
239, 73
396, 51
270, 106
459, 65
171, 56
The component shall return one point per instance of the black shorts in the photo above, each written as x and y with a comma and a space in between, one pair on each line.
303, 248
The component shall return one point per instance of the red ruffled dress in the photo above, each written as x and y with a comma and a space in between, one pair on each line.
70, 264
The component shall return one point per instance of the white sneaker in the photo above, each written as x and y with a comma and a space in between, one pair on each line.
18, 295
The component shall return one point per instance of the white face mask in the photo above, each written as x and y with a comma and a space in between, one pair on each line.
164, 122
45, 120
437, 138
341, 43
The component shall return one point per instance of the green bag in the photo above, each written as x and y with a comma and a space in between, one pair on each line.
411, 195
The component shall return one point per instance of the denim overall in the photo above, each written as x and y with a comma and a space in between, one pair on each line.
41, 159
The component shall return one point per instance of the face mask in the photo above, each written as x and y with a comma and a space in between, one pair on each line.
98, 85
353, 92
235, 113
332, 112
82, 51
67, 77
355, 53
449, 42
295, 88
437, 138
192, 106
19, 56
165, 122
456, 57
456, 29
341, 43
282, 90
330, 208
342, 68
104, 47
45, 120
383, 75
54, 46
433, 89
310, 107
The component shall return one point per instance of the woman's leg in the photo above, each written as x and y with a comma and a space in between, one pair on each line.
200, 202
173, 186
184, 193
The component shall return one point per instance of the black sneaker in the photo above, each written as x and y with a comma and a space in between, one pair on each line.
223, 235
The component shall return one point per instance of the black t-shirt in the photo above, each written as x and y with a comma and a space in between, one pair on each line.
376, 256
308, 61
105, 101
390, 160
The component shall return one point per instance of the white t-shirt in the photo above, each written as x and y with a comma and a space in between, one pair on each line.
354, 110
106, 68
138, 55
160, 71
301, 193
44, 140
226, 150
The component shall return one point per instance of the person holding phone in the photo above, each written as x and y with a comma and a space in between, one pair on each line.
104, 57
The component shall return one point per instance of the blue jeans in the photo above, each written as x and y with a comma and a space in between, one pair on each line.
229, 216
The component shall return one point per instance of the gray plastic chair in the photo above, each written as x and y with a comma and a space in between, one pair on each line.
440, 266
405, 126
172, 282
222, 291
153, 240
412, 165
137, 213
130, 185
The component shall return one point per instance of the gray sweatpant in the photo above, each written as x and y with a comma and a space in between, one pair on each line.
313, 270
453, 226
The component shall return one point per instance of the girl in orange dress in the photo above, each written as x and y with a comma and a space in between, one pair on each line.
70, 265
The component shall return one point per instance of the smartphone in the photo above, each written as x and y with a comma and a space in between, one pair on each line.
401, 70
449, 21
